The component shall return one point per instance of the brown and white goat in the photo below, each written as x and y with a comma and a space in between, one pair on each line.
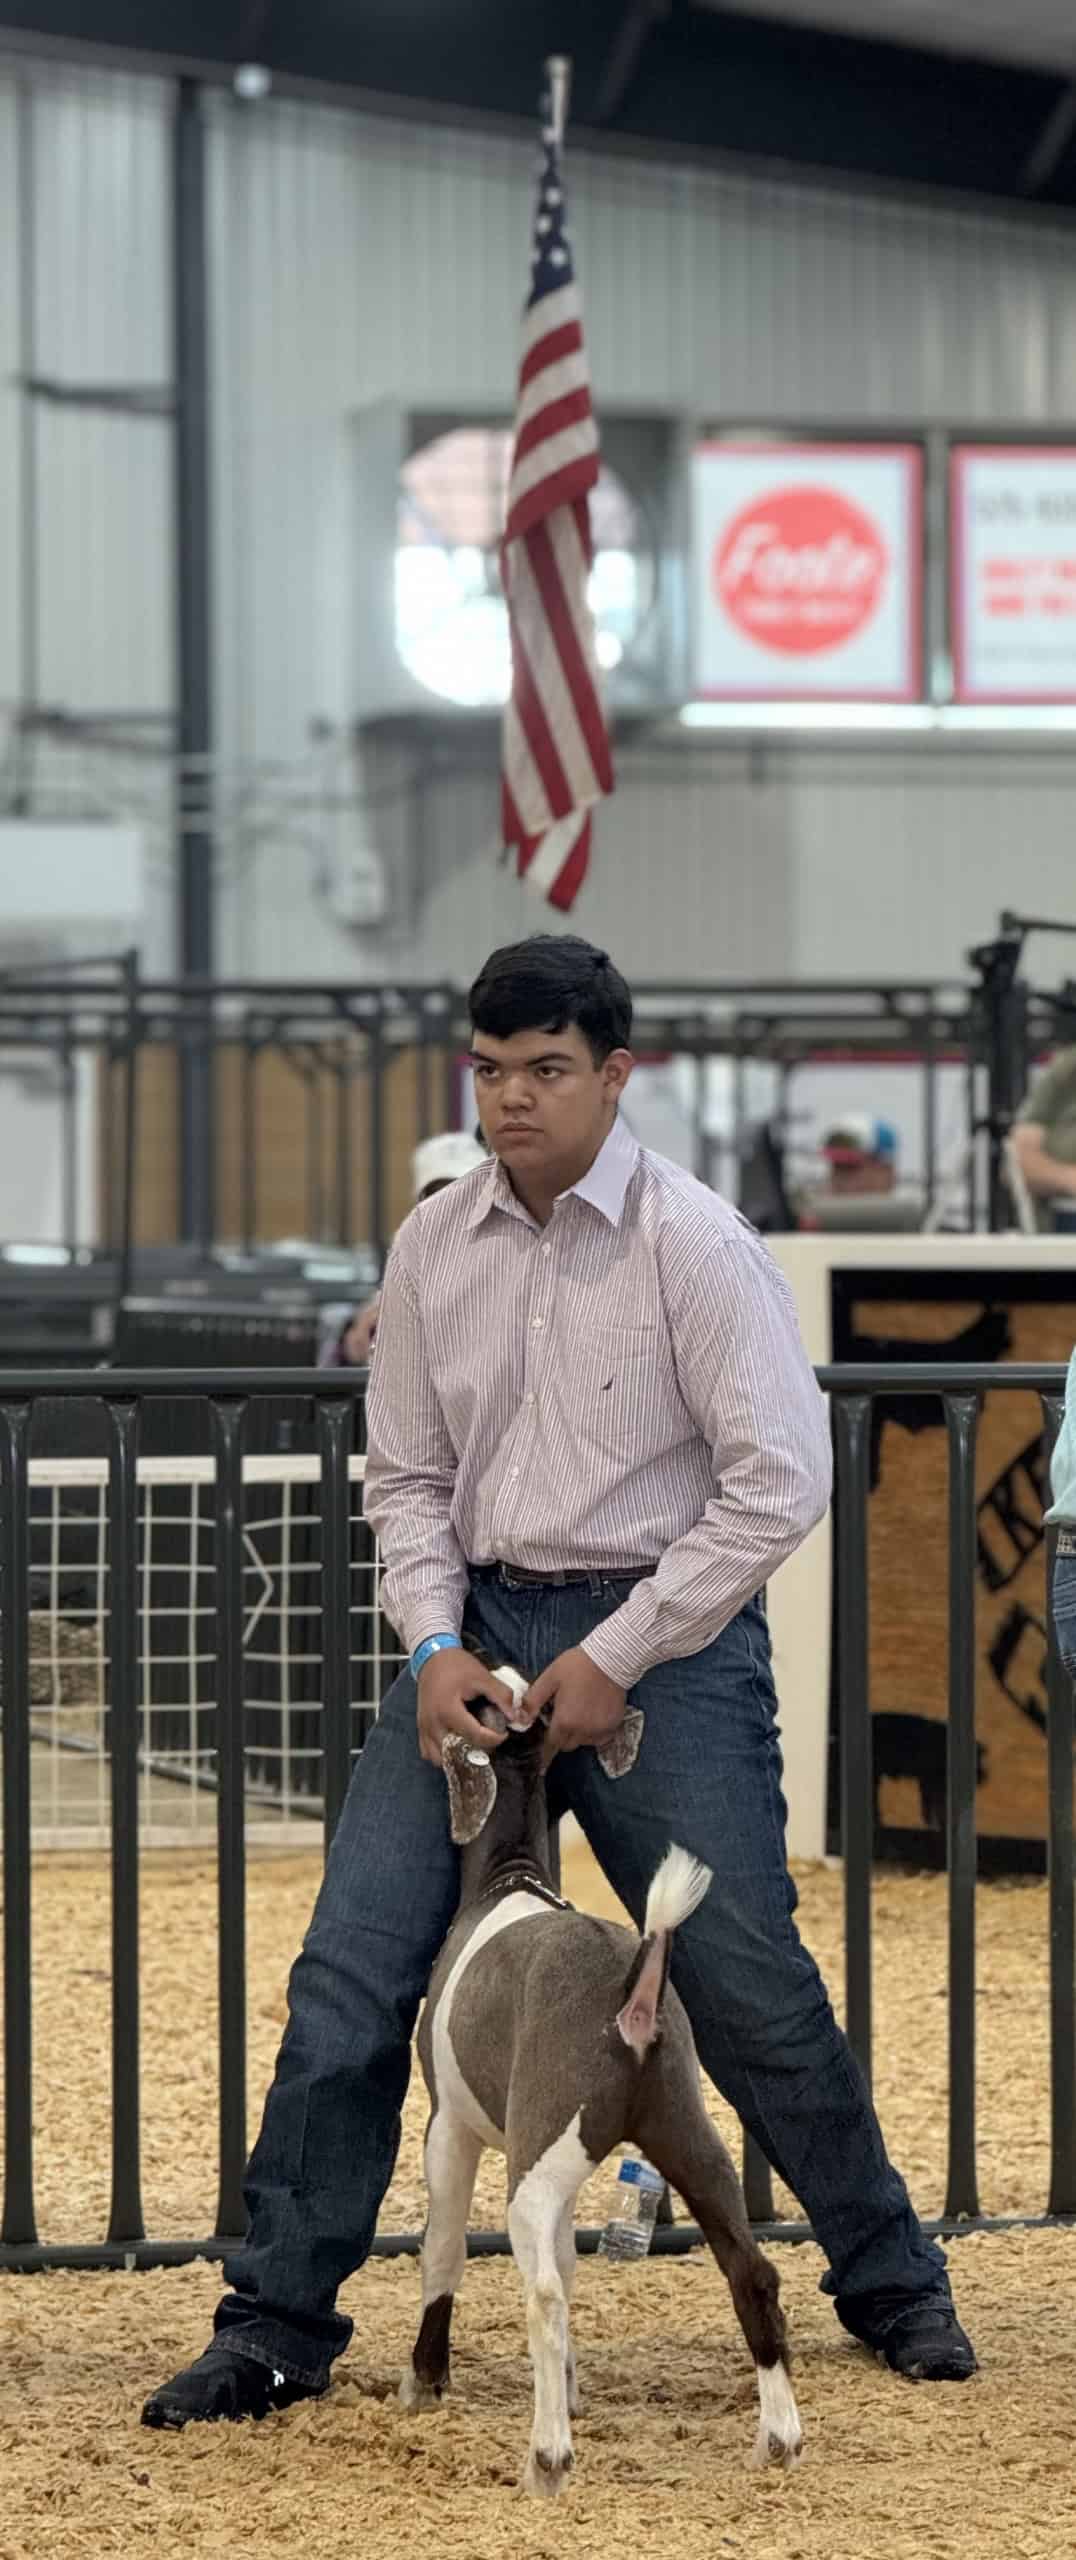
554, 2036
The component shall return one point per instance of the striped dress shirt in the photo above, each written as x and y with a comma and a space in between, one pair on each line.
623, 1388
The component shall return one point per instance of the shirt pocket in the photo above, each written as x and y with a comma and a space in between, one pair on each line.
621, 1391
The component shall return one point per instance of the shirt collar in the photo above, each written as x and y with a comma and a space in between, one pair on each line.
603, 1186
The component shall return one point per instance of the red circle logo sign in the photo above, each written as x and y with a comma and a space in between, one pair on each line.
801, 569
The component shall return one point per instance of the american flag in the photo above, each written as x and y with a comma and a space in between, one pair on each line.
555, 755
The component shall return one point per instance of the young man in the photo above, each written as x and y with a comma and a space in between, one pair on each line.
593, 1435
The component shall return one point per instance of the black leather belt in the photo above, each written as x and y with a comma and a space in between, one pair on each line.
516, 1573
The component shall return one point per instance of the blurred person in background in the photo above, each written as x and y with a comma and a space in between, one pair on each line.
861, 1155
861, 1187
1044, 1144
434, 1164
1063, 1515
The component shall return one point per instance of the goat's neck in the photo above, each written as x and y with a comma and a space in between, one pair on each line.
515, 1842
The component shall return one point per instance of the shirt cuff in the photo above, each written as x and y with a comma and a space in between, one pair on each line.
429, 1618
617, 1650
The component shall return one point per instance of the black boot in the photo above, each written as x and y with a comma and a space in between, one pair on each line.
928, 2345
922, 2340
225, 2384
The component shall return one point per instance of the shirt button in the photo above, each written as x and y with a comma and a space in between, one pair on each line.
512, 1474
547, 1250
532, 1399
538, 1323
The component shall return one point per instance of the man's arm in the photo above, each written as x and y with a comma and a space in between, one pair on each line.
410, 1471
353, 1344
747, 1382
1043, 1173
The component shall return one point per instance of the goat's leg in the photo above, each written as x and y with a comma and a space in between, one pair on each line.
540, 2204
452, 2156
566, 2263
676, 2134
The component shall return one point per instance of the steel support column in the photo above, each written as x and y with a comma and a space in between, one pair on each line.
194, 838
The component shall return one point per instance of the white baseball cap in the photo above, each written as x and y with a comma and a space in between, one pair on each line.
444, 1158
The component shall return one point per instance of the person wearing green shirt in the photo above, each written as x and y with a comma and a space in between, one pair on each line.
1044, 1143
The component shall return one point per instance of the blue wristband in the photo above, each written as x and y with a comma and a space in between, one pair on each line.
429, 1646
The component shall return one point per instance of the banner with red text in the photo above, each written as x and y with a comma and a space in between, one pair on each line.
808, 572
1013, 573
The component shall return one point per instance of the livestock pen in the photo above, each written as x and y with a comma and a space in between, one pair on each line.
959, 1992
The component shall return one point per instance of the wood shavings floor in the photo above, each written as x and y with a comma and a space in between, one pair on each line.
662, 2447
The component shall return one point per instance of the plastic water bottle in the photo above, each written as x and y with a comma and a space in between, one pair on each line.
630, 2229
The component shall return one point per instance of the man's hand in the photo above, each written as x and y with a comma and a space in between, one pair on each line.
587, 1706
446, 1685
358, 1340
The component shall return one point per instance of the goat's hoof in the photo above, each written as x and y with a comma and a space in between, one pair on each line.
777, 2449
415, 2394
546, 2473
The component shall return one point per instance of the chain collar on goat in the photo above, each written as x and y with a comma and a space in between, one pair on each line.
523, 1880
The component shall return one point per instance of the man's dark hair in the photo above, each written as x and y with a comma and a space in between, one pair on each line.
549, 982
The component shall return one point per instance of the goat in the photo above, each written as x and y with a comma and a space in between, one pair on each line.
553, 2037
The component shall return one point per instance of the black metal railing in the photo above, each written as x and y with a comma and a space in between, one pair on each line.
124, 1394
229, 1396
339, 1044
960, 1390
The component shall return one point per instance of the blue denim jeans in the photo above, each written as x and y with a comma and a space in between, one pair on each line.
708, 1776
1064, 1595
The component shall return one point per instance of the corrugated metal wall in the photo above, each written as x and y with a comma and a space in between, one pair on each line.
392, 257
693, 877
816, 863
92, 228
10, 406
355, 259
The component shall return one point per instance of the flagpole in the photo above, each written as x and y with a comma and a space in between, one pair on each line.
559, 74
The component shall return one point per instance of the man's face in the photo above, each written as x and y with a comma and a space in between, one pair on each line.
545, 1107
861, 1173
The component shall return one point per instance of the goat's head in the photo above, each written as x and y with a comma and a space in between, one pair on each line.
474, 1776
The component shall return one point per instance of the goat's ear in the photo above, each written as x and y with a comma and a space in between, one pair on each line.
472, 1787
621, 1752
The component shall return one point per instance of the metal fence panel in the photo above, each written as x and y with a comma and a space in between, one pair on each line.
230, 1395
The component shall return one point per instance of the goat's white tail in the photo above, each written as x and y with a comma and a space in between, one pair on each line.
681, 1883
